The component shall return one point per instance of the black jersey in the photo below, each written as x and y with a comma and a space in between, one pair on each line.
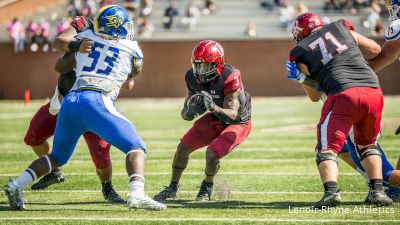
67, 80
229, 80
334, 59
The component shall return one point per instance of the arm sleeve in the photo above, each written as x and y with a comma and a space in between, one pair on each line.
233, 83
348, 24
82, 23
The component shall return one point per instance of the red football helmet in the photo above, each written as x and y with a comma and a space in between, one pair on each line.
207, 60
305, 24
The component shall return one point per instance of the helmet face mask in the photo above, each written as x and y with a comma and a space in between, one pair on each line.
207, 61
112, 22
394, 13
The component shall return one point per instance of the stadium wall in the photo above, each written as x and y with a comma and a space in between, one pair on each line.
260, 61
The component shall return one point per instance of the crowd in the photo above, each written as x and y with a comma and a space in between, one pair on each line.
35, 35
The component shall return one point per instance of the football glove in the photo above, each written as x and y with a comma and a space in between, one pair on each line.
195, 106
208, 101
294, 73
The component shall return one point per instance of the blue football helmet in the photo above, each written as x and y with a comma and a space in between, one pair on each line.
113, 22
394, 10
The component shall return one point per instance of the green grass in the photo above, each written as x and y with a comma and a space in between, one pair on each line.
274, 169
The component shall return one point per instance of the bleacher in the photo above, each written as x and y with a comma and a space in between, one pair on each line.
229, 23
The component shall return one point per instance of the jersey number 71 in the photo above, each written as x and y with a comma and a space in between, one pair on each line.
95, 54
321, 44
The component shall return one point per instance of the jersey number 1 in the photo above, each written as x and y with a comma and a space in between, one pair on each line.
321, 44
95, 54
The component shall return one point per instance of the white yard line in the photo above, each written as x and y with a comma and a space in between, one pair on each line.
202, 173
195, 192
200, 219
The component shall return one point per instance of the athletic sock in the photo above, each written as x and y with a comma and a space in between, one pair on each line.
376, 184
106, 185
26, 177
331, 186
174, 185
137, 187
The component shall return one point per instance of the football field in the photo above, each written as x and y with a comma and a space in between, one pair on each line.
270, 178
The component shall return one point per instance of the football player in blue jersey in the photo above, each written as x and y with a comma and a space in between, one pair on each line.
89, 106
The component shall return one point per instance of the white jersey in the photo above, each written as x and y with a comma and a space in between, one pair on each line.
392, 32
107, 67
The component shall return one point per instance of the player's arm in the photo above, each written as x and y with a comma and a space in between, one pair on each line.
368, 47
137, 65
229, 112
312, 93
296, 75
65, 63
389, 54
62, 41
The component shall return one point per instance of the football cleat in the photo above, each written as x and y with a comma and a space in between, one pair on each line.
54, 177
144, 202
393, 193
15, 195
378, 198
205, 191
110, 194
168, 192
329, 199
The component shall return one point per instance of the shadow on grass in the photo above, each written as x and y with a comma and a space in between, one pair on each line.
4, 206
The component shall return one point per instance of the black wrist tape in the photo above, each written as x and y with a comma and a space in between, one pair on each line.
73, 46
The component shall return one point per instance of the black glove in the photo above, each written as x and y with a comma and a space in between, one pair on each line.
208, 101
195, 106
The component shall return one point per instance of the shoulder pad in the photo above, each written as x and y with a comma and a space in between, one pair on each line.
392, 32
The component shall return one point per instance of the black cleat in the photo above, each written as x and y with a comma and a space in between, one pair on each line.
205, 191
54, 177
397, 131
110, 194
168, 192
329, 199
378, 198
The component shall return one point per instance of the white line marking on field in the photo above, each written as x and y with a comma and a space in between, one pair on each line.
200, 219
195, 192
202, 173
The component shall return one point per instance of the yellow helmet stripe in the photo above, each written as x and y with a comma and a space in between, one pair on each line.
96, 18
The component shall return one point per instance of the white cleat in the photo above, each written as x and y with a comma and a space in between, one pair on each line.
144, 202
15, 195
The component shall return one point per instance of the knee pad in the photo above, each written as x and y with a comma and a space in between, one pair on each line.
324, 157
368, 151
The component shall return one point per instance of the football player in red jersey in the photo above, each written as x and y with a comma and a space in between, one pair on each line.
216, 88
323, 53
43, 123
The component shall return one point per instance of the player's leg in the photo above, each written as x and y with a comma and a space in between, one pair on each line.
200, 135
333, 129
100, 153
104, 120
229, 138
366, 131
65, 139
41, 128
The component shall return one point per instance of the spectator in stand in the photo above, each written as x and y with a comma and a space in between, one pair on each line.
210, 7
16, 32
286, 15
301, 8
41, 37
337, 4
106, 2
146, 8
373, 19
146, 28
30, 31
89, 8
63, 25
270, 5
251, 29
132, 7
358, 5
74, 8
192, 15
170, 13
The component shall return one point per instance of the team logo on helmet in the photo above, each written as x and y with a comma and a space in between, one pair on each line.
114, 20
